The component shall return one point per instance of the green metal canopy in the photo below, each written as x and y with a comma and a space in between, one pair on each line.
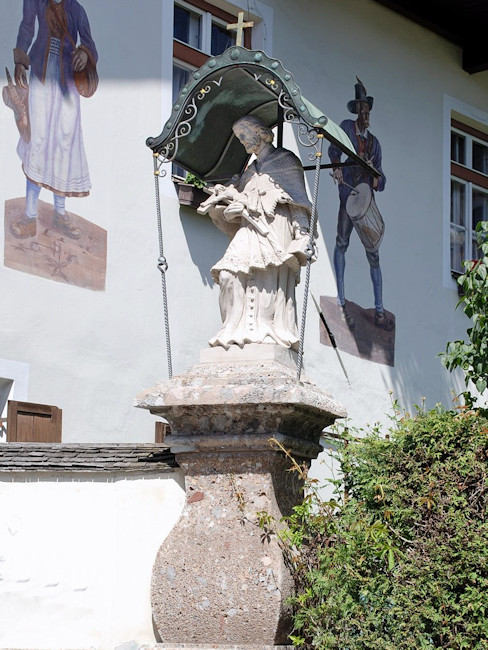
198, 135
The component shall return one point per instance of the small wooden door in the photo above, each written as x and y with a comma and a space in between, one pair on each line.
27, 422
162, 430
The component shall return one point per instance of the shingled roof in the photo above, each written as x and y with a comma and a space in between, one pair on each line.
121, 457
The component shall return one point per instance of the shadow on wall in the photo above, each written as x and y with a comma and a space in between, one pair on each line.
138, 35
410, 383
199, 229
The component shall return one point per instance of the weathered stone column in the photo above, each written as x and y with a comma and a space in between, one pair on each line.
218, 579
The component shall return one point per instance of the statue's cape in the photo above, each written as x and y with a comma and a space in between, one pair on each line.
286, 170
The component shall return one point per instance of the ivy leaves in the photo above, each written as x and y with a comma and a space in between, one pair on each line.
472, 356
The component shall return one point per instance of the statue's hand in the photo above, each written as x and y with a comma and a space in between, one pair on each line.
299, 247
233, 211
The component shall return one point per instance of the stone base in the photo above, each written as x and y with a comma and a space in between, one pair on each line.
219, 578
185, 646
243, 396
255, 352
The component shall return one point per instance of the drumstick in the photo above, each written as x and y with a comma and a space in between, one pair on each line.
346, 184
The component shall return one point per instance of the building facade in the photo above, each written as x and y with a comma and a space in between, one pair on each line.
82, 325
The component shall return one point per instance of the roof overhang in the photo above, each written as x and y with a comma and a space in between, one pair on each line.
198, 135
460, 21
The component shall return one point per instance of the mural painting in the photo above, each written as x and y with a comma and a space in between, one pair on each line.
368, 333
62, 61
51, 253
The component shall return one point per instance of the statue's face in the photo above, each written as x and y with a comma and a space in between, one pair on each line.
249, 138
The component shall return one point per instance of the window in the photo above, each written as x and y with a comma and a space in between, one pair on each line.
14, 381
199, 31
187, 26
469, 191
181, 74
6, 392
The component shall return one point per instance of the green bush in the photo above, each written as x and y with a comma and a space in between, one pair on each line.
400, 559
472, 356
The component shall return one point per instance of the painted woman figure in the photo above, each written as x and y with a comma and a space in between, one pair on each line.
266, 213
54, 158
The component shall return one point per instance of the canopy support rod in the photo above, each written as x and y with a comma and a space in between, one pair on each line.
310, 250
162, 265
280, 126
308, 168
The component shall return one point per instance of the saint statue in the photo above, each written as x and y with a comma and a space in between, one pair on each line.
266, 213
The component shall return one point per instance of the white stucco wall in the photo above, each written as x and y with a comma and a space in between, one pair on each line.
76, 557
91, 352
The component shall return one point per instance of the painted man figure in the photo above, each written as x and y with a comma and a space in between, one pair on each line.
266, 214
349, 178
54, 158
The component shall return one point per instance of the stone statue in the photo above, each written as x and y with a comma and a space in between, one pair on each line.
265, 212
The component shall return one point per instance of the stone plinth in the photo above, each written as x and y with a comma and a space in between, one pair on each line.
214, 646
219, 578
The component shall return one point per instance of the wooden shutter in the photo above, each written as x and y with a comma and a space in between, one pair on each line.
162, 430
27, 422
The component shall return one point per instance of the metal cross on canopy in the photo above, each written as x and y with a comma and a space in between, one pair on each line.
239, 27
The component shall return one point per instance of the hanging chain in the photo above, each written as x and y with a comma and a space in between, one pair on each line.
310, 250
162, 265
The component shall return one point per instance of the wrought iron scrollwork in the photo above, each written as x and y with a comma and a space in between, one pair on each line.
289, 113
170, 150
307, 136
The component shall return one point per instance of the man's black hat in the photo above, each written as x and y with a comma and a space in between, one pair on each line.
361, 96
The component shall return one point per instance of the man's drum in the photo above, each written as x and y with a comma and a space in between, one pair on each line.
365, 216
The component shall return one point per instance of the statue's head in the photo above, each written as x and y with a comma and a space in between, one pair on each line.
252, 133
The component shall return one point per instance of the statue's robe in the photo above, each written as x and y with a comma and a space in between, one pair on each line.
258, 272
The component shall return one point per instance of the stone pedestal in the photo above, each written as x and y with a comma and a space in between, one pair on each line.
219, 578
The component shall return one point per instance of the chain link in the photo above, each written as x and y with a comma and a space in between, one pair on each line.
310, 254
163, 267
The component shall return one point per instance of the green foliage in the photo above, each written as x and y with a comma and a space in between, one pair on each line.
400, 560
191, 179
472, 356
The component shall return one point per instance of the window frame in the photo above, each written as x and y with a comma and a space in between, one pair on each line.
190, 58
471, 178
210, 13
176, 169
